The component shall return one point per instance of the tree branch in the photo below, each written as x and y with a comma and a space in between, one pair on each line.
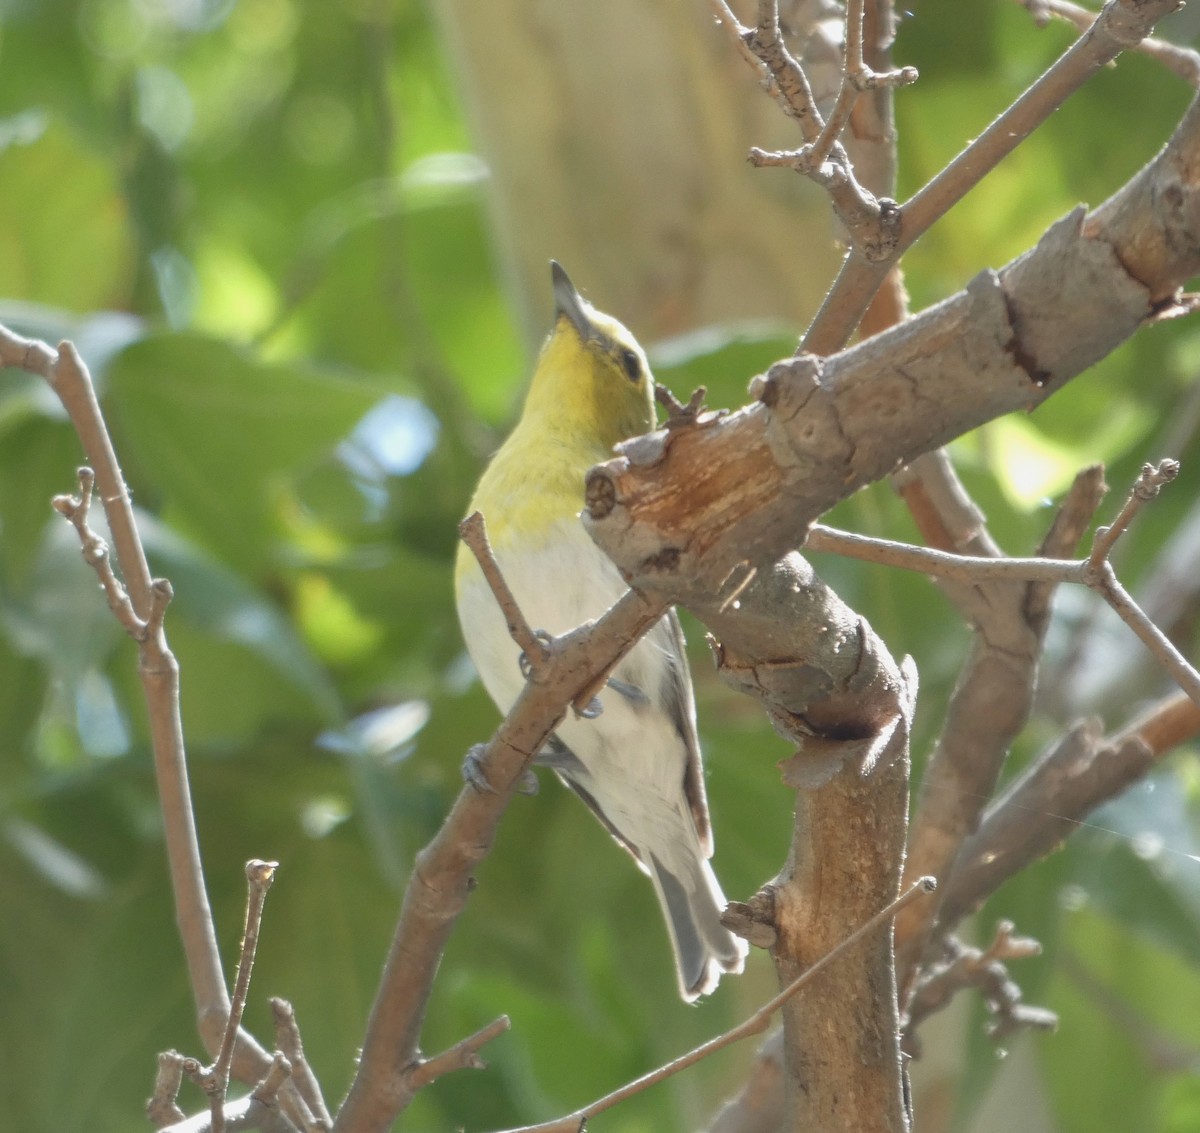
1183, 61
140, 606
463, 1055
1122, 24
993, 697
747, 486
728, 501
1095, 571
443, 871
68, 377
259, 875
987, 971
1054, 794
287, 1041
755, 1024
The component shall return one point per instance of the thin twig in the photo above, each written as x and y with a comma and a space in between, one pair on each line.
287, 1040
987, 971
748, 573
259, 875
870, 223
857, 79
1157, 642
536, 647
463, 1055
753, 1025
766, 43
1149, 483
66, 374
739, 34
1094, 572
942, 564
76, 510
267, 1091
162, 1108
473, 530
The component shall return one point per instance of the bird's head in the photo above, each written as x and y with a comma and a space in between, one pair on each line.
592, 375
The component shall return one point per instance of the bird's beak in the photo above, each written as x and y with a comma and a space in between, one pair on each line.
568, 302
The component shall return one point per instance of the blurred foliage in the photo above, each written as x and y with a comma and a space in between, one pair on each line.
263, 224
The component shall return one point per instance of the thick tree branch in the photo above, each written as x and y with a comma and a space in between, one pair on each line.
727, 501
745, 488
846, 705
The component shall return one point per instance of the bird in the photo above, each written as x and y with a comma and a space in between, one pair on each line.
634, 758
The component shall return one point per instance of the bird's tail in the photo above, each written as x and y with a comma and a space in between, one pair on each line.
692, 903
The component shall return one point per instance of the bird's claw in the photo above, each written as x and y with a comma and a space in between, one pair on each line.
527, 784
472, 773
591, 710
472, 770
524, 662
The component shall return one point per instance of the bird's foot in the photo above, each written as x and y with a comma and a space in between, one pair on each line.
630, 692
592, 709
527, 665
472, 770
528, 783
472, 773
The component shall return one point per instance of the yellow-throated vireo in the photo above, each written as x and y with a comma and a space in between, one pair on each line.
637, 763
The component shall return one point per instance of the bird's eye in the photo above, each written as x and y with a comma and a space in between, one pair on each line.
631, 364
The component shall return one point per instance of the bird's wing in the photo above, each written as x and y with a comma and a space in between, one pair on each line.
681, 706
568, 767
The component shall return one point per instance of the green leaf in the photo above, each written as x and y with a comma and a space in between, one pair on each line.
222, 605
214, 436
38, 262
1123, 1004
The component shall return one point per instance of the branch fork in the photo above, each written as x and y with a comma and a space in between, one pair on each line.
986, 970
822, 158
1095, 571
75, 510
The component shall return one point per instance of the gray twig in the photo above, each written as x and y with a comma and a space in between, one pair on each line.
287, 1040
1094, 572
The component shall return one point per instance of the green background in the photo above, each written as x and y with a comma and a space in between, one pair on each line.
262, 222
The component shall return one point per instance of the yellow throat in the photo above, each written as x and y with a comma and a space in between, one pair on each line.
591, 388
